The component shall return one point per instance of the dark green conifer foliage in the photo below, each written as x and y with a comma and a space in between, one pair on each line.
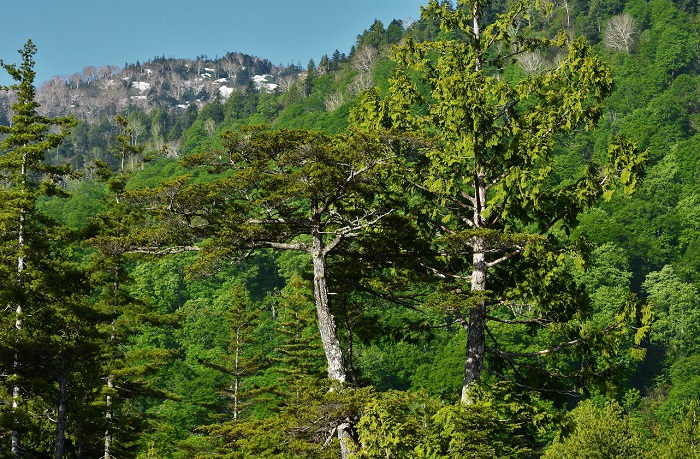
285, 190
129, 358
239, 362
300, 356
30, 287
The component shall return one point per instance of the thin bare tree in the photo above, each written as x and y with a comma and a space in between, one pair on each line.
621, 33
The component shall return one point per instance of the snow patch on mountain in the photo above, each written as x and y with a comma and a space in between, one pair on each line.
141, 85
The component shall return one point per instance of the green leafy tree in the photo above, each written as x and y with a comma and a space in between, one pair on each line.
676, 310
682, 439
597, 431
412, 425
489, 196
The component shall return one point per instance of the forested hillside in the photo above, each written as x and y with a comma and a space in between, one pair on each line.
475, 235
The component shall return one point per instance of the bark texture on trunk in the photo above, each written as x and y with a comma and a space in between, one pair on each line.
337, 370
348, 442
61, 421
476, 333
16, 390
236, 376
108, 419
326, 321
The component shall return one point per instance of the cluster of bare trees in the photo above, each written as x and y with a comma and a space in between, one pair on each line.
363, 63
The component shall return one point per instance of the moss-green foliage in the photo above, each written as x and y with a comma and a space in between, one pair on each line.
597, 431
414, 425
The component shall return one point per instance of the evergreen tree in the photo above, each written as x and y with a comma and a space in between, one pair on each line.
27, 236
240, 362
129, 356
299, 356
284, 190
490, 199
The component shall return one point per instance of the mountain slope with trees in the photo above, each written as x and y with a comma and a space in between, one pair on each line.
487, 222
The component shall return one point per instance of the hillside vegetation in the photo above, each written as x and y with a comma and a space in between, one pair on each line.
475, 235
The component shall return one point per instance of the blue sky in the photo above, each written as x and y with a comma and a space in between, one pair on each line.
71, 35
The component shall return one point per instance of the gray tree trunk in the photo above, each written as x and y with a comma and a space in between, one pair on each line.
16, 390
326, 321
61, 421
109, 418
476, 332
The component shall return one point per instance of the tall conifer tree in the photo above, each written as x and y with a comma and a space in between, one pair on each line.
26, 234
489, 199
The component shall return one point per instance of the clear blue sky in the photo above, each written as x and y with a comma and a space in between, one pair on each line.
72, 34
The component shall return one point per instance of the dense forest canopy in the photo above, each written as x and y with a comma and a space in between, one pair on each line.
473, 235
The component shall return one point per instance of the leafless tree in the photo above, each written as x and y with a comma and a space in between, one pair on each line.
286, 82
53, 97
531, 62
361, 82
76, 79
231, 67
210, 126
333, 101
178, 86
89, 73
172, 149
621, 33
364, 57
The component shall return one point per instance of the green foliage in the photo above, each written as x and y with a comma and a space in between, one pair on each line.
682, 440
298, 357
676, 306
487, 197
413, 425
400, 326
597, 431
305, 427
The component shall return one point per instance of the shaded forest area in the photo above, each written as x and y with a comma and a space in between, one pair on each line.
474, 235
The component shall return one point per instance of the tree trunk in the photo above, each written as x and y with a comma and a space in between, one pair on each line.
61, 421
236, 376
108, 418
16, 390
348, 443
109, 413
327, 328
326, 321
476, 333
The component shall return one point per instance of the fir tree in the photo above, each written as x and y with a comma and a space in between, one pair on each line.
27, 236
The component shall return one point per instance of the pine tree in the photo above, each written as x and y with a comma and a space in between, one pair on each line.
283, 190
126, 365
299, 355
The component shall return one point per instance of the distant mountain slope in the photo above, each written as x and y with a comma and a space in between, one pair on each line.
167, 83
